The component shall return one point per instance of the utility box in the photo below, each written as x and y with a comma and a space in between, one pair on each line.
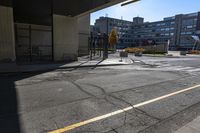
139, 54
123, 54
184, 53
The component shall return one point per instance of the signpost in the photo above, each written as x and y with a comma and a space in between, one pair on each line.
123, 55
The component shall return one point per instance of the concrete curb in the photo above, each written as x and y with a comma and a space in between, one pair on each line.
162, 56
61, 68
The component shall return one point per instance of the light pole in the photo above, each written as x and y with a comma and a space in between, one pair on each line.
107, 24
105, 40
168, 45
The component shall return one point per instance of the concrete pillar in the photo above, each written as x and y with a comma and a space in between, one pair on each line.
65, 38
84, 34
7, 39
178, 25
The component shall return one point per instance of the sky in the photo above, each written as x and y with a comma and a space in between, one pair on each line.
150, 10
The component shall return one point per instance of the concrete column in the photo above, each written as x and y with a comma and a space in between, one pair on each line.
65, 38
7, 39
198, 21
178, 25
84, 34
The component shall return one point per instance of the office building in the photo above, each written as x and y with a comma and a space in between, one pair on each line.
176, 30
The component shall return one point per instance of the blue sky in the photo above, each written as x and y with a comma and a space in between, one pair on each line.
151, 10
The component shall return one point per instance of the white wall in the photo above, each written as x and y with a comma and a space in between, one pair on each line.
7, 40
65, 33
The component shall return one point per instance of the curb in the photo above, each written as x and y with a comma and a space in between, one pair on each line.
162, 56
61, 68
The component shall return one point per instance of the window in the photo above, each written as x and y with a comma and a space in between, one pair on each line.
183, 33
158, 25
189, 26
198, 32
187, 22
188, 33
172, 22
167, 29
157, 35
162, 24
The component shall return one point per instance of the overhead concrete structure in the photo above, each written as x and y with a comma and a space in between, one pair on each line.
64, 28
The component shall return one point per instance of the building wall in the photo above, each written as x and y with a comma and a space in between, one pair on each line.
33, 42
159, 32
198, 22
105, 24
178, 29
101, 24
186, 29
7, 40
134, 33
65, 38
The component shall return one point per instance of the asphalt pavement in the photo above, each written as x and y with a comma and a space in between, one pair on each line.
153, 95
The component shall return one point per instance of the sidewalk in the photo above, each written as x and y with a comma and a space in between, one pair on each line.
192, 127
82, 62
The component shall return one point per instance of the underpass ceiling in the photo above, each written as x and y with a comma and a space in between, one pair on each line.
40, 11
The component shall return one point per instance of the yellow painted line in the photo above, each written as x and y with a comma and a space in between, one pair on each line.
95, 119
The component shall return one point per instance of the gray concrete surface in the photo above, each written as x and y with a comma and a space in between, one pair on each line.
192, 127
43, 102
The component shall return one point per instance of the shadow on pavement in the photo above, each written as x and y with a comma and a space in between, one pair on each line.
9, 115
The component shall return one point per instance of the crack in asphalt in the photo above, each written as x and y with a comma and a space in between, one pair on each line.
81, 89
114, 130
122, 100
136, 109
106, 95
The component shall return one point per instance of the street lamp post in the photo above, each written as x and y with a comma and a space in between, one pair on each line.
105, 40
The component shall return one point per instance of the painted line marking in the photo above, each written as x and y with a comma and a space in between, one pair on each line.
194, 70
95, 119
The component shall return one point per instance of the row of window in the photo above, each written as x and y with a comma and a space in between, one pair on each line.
119, 21
167, 34
131, 41
189, 27
154, 25
165, 23
186, 33
155, 29
187, 22
126, 40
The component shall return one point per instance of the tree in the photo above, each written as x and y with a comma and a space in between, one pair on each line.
113, 38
